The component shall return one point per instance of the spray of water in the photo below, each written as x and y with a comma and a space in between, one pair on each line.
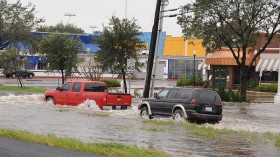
89, 104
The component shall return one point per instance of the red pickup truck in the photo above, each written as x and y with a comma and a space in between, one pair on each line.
76, 92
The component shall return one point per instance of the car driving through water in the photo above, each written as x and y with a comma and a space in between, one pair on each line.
192, 104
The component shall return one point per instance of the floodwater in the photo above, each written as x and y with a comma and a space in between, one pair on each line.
87, 123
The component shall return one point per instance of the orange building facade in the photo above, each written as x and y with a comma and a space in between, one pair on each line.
180, 58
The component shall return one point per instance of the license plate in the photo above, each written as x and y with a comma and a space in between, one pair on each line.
208, 108
118, 107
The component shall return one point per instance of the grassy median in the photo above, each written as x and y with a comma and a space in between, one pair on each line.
211, 133
108, 149
19, 89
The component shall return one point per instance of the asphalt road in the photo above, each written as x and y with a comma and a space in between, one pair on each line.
14, 148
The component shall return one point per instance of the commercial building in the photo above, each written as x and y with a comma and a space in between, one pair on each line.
222, 70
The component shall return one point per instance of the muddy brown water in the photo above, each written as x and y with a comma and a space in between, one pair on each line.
87, 123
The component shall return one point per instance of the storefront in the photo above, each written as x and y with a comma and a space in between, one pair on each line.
224, 71
268, 66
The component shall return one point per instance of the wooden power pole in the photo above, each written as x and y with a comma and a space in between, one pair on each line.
152, 51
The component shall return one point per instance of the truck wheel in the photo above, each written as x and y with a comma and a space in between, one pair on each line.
178, 115
50, 100
144, 113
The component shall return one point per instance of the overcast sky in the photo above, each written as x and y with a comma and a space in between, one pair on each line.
97, 12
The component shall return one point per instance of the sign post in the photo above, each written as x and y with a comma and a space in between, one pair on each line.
130, 69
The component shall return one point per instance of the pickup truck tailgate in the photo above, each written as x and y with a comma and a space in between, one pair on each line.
119, 99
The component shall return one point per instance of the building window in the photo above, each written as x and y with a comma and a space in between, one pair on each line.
270, 76
179, 67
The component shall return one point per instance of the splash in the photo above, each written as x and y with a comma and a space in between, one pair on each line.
22, 100
89, 104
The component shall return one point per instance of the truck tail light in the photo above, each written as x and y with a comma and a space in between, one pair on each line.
104, 99
193, 102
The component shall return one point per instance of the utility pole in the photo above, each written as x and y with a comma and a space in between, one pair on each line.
152, 51
161, 14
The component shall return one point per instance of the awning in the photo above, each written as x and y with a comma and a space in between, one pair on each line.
33, 60
203, 65
225, 57
268, 62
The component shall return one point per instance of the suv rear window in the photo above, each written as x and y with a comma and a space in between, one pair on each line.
207, 97
94, 87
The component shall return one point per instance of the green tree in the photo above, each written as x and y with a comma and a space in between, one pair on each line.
16, 23
10, 60
118, 43
61, 52
232, 23
61, 28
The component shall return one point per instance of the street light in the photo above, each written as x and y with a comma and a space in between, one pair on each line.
194, 54
92, 27
70, 15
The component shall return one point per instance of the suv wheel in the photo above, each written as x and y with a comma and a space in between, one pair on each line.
144, 113
179, 115
30, 76
14, 75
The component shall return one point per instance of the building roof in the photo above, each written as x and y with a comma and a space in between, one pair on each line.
88, 41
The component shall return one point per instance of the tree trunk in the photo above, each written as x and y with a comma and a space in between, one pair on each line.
62, 76
20, 82
243, 82
124, 83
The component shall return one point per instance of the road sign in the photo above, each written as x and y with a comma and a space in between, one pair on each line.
130, 65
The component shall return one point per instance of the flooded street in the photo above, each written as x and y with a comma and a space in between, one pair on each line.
88, 123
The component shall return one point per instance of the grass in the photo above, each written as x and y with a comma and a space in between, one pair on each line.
210, 133
277, 140
153, 129
19, 89
63, 110
95, 114
108, 149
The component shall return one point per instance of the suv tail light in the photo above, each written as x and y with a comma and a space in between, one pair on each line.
104, 99
222, 105
193, 102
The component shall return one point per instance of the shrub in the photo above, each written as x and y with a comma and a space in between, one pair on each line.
267, 88
234, 97
223, 94
183, 81
111, 83
199, 80
229, 95
251, 84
